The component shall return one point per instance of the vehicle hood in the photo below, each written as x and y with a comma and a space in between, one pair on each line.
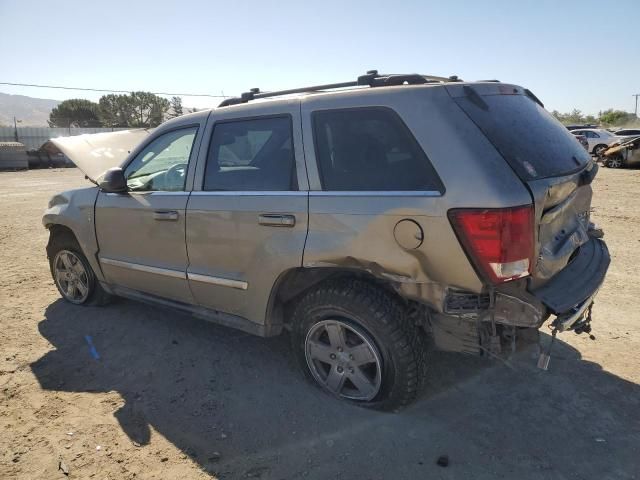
93, 153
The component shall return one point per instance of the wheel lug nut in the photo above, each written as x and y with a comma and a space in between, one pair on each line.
332, 356
350, 357
351, 370
340, 369
339, 349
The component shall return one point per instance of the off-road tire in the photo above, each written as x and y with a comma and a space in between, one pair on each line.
97, 295
401, 343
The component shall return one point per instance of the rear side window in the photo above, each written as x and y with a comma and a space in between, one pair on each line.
534, 143
250, 155
370, 149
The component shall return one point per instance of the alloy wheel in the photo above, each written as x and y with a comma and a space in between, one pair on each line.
344, 359
614, 163
71, 276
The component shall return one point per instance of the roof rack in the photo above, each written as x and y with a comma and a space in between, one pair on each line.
371, 79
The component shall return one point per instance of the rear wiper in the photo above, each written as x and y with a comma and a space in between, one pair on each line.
530, 94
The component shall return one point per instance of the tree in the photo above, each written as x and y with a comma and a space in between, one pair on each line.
575, 116
149, 109
607, 118
76, 112
139, 109
613, 117
176, 107
116, 110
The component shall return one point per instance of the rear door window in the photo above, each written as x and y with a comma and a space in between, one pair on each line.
534, 143
370, 149
251, 155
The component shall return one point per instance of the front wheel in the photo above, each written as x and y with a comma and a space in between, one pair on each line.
615, 162
356, 342
73, 275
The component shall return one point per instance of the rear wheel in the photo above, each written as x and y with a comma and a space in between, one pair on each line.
73, 275
356, 342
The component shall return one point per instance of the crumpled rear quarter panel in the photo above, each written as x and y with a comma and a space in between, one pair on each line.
355, 229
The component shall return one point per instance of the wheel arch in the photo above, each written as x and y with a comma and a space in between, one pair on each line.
60, 232
294, 283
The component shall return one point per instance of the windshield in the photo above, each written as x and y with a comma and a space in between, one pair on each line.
534, 143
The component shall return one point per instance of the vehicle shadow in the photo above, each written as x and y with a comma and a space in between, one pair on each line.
210, 389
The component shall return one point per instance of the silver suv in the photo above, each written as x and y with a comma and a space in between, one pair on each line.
367, 218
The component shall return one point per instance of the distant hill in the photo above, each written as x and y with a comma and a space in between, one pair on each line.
34, 112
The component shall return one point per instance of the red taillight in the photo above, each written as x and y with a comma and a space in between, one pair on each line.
499, 241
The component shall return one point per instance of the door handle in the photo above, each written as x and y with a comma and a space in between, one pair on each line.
276, 220
165, 215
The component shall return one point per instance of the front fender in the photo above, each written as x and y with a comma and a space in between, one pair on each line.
75, 209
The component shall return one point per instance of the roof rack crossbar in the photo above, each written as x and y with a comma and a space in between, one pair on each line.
371, 79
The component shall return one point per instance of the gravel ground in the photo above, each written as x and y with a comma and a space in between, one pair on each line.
176, 397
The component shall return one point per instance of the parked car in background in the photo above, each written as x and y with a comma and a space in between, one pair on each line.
583, 141
599, 139
579, 127
625, 154
628, 132
325, 214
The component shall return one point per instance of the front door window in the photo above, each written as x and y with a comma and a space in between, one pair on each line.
162, 165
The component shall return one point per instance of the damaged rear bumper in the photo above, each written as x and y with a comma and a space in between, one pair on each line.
466, 323
570, 293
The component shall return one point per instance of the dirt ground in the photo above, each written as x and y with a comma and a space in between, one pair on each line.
175, 397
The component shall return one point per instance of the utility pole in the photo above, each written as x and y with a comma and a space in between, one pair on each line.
636, 95
15, 128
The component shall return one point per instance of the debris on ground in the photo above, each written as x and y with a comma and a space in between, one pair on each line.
63, 467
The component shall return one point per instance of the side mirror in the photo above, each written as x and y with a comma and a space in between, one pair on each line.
113, 181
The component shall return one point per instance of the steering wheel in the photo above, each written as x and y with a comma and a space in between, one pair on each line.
174, 176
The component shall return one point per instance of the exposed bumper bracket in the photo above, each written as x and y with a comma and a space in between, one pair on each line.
575, 316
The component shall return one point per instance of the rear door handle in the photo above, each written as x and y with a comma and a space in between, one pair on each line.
165, 215
276, 220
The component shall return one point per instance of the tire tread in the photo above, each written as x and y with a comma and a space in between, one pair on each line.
406, 339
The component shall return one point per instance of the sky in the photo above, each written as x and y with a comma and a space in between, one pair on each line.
572, 54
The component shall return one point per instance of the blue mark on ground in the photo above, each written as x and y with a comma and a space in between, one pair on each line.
92, 349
